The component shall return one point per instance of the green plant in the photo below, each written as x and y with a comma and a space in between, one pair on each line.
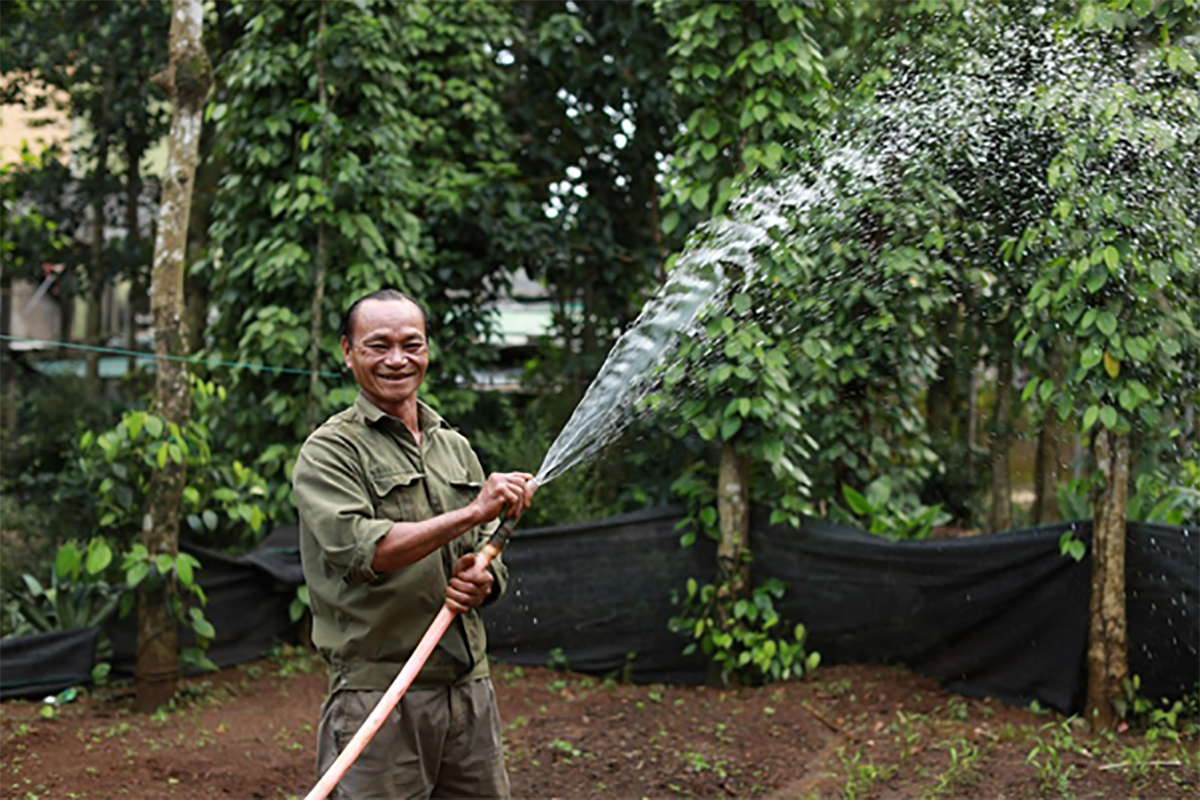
177, 571
77, 596
1053, 774
962, 770
744, 637
569, 749
300, 604
557, 660
222, 503
1166, 720
862, 776
902, 517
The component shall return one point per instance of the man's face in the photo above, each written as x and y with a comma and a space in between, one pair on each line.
387, 352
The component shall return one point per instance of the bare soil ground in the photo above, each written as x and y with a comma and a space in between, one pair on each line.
850, 731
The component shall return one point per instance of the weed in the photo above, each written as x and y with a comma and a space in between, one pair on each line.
907, 735
697, 762
1054, 776
958, 709
963, 768
567, 748
861, 777
513, 673
557, 660
519, 722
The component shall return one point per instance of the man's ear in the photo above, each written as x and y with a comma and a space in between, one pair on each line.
346, 353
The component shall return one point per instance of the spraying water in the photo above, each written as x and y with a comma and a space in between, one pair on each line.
698, 281
965, 117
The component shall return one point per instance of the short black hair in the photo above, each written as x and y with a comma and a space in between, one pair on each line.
387, 293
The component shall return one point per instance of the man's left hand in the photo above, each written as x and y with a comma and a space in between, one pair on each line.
470, 585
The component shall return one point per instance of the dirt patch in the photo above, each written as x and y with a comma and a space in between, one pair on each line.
853, 731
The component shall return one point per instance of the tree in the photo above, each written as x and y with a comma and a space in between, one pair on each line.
95, 59
595, 115
1117, 287
364, 146
749, 80
186, 80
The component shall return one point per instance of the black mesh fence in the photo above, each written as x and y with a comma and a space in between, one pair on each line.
1003, 615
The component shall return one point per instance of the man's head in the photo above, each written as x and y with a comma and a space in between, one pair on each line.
384, 344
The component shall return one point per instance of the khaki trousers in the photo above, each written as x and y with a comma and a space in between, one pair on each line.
437, 743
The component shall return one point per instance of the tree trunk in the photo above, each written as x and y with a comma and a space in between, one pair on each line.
1049, 466
322, 256
96, 267
1108, 642
733, 516
8, 427
133, 241
1000, 514
186, 80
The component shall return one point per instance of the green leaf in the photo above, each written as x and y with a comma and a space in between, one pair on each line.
1090, 417
1112, 258
1106, 322
164, 563
1108, 416
136, 573
134, 423
99, 556
154, 425
858, 503
203, 627
183, 568
210, 519
67, 561
710, 128
1091, 356
729, 427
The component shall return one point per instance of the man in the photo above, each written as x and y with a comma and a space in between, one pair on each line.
392, 504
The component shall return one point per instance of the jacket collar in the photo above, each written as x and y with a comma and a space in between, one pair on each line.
374, 417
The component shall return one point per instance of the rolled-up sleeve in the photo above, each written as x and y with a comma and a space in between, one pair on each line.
336, 509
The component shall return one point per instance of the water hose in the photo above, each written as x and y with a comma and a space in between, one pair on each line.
412, 667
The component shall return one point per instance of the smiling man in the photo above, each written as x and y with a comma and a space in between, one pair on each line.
392, 505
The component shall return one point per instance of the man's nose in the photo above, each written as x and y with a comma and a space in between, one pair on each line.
396, 355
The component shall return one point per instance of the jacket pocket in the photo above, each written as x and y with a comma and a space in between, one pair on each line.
400, 495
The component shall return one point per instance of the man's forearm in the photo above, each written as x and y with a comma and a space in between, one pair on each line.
406, 543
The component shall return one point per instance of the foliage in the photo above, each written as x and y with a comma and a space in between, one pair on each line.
364, 148
750, 79
222, 503
80, 594
77, 596
746, 398
50, 413
30, 232
521, 442
178, 570
94, 60
897, 518
744, 638
1156, 496
595, 115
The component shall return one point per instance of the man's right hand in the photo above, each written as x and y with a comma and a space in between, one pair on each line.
505, 494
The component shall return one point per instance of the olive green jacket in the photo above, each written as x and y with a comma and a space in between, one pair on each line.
355, 475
